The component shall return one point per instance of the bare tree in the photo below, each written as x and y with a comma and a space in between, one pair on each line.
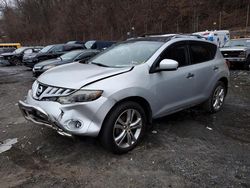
54, 21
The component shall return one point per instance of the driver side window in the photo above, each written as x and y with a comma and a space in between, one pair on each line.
177, 52
28, 51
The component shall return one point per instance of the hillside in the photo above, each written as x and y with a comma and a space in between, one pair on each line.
40, 22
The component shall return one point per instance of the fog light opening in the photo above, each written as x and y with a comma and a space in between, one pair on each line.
74, 124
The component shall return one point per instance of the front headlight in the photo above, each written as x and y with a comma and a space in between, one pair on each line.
37, 67
48, 67
81, 96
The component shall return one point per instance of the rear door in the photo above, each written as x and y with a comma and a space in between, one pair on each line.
204, 66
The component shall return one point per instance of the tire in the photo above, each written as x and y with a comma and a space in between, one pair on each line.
15, 62
210, 105
117, 135
247, 64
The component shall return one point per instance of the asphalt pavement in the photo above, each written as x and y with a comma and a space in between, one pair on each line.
187, 149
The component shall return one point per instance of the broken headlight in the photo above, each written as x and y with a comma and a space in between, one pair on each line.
80, 96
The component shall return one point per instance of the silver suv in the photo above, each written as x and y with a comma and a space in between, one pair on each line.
118, 93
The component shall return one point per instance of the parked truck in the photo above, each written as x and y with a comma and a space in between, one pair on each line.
220, 37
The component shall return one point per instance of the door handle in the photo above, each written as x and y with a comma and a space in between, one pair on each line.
216, 68
190, 75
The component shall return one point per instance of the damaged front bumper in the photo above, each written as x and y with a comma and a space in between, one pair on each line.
71, 119
39, 116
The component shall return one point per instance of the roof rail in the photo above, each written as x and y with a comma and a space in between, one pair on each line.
155, 34
181, 35
188, 35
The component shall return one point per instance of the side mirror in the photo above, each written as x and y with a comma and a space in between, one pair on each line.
167, 65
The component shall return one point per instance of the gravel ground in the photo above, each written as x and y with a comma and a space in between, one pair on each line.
187, 149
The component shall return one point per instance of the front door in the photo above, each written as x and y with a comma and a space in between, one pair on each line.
174, 90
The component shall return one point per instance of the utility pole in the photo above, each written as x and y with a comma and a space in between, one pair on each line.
177, 25
247, 18
220, 22
194, 19
197, 22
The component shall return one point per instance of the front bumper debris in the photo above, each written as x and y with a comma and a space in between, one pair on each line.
39, 116
84, 119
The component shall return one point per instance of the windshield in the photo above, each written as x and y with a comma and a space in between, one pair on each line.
127, 54
19, 50
242, 42
46, 49
70, 55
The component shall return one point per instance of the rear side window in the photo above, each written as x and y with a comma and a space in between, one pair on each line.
72, 47
28, 51
202, 52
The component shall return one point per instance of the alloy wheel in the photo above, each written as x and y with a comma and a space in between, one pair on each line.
127, 128
218, 98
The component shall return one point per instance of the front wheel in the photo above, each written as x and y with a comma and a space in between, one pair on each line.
15, 62
216, 99
123, 128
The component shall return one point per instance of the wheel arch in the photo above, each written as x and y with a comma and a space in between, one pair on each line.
141, 101
225, 81
144, 104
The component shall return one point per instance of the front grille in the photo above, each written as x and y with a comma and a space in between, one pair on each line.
42, 91
228, 54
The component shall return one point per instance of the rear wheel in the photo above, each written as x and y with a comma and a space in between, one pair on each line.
216, 99
123, 128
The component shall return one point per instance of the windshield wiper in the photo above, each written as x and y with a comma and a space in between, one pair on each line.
99, 64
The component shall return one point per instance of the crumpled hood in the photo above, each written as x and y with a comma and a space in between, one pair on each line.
237, 48
75, 75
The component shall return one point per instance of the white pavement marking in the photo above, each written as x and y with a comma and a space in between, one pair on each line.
7, 144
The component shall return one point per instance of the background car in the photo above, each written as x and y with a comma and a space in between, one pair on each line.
7, 50
76, 55
50, 52
16, 57
98, 44
237, 52
27, 55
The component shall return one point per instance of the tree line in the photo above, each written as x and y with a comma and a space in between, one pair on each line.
54, 21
